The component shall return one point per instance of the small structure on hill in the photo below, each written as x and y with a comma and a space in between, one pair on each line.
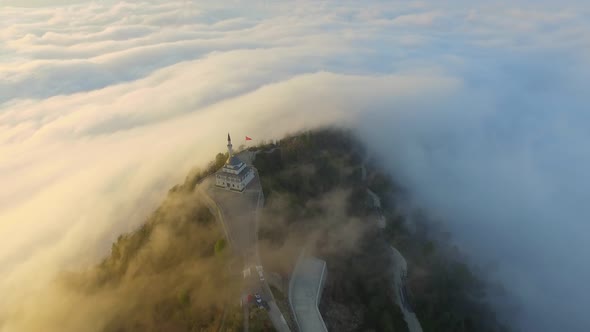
235, 174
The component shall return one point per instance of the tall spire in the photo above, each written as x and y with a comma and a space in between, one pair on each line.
229, 146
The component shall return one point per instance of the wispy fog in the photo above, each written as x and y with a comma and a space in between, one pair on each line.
479, 109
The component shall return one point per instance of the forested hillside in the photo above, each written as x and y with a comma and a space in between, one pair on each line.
171, 274
317, 197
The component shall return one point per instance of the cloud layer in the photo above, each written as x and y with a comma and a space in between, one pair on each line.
478, 108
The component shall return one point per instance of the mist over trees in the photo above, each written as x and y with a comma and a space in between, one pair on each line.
171, 273
314, 181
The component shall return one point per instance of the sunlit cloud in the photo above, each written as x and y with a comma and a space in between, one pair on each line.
477, 108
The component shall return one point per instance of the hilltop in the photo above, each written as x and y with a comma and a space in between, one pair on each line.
172, 273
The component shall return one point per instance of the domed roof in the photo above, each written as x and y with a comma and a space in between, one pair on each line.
234, 161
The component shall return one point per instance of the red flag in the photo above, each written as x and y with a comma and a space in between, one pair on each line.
248, 138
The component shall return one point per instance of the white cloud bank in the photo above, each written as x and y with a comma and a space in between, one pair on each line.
480, 109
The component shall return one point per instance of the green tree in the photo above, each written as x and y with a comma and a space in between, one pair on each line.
386, 322
219, 246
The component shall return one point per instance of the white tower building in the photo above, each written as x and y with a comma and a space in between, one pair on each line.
235, 174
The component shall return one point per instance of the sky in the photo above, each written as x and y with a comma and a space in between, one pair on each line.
478, 108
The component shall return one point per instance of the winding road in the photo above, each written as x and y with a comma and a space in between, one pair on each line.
400, 268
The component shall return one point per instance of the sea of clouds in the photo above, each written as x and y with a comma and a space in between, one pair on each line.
479, 108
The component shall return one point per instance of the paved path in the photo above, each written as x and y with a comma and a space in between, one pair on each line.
381, 223
400, 268
238, 214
